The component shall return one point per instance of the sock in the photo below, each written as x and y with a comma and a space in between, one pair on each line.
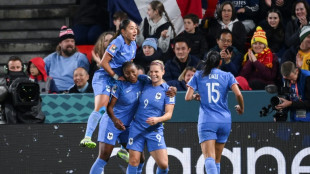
162, 171
210, 166
140, 167
92, 123
218, 166
98, 166
102, 110
131, 169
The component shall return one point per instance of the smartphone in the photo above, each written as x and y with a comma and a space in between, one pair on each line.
229, 49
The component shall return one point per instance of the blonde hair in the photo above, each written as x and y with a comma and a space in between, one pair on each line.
188, 68
159, 63
99, 46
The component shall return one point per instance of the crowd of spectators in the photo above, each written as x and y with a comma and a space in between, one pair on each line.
253, 38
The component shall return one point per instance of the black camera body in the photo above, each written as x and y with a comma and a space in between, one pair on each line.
283, 92
21, 101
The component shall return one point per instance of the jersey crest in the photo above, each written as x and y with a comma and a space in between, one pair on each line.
158, 96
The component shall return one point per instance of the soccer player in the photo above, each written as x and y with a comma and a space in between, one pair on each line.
121, 49
115, 125
214, 122
154, 108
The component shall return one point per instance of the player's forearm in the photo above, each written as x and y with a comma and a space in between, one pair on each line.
240, 101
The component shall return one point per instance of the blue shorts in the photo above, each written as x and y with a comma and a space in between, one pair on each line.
137, 138
108, 133
102, 83
214, 131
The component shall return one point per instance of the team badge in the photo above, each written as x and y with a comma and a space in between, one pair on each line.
108, 88
110, 136
130, 141
112, 48
158, 96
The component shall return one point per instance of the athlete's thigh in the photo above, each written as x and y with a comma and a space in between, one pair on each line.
105, 151
208, 148
161, 157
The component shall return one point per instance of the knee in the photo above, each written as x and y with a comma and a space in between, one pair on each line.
134, 160
162, 163
105, 156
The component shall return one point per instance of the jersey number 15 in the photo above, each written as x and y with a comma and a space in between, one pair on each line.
213, 93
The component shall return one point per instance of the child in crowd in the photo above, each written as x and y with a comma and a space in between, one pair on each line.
37, 73
196, 38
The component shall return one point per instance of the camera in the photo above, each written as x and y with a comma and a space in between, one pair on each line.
283, 92
20, 99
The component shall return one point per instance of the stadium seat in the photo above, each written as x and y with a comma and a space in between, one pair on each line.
86, 49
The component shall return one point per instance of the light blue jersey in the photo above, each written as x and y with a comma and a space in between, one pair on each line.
213, 90
121, 53
127, 95
152, 104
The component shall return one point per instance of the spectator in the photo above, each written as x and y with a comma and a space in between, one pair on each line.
81, 84
118, 17
37, 73
98, 51
61, 64
298, 102
148, 53
175, 66
301, 14
300, 55
232, 58
91, 19
246, 11
275, 32
226, 19
15, 64
194, 35
183, 79
141, 70
284, 6
156, 25
261, 66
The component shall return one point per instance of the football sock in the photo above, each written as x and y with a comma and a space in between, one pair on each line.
210, 166
92, 123
98, 166
131, 169
162, 171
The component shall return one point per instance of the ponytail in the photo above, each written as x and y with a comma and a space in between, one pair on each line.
211, 60
157, 5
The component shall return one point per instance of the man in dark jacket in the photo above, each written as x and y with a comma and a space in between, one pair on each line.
81, 84
232, 58
175, 66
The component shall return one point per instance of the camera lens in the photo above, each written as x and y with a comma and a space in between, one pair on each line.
275, 101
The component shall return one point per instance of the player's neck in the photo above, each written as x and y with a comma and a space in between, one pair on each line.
157, 83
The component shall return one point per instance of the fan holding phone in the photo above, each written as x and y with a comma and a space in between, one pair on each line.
232, 58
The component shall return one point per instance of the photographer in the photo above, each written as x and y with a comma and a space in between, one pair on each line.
19, 97
299, 102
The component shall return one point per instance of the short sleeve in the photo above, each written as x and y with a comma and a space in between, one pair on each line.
169, 100
193, 81
231, 80
114, 47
